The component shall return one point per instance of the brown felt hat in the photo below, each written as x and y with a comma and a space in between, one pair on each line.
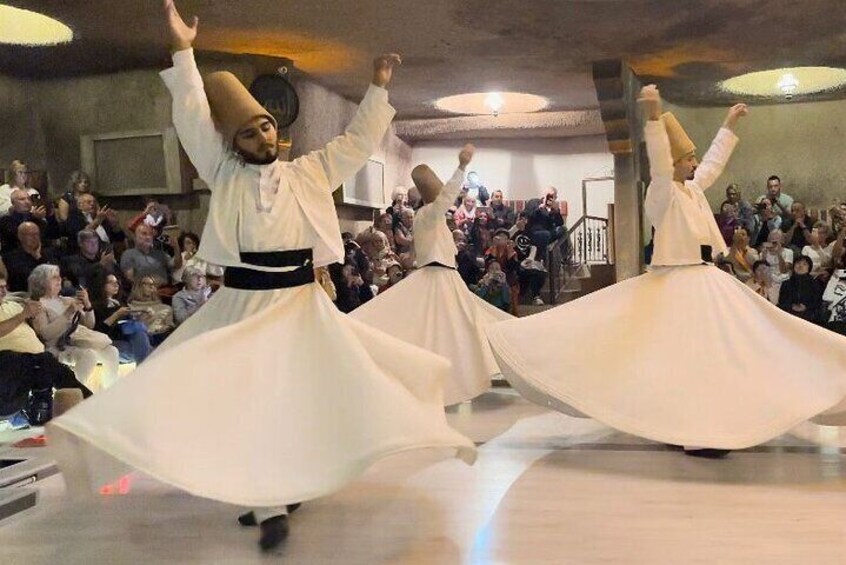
231, 104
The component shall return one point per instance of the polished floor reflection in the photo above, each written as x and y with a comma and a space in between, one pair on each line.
546, 489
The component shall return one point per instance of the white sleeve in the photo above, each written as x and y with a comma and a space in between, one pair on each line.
346, 154
715, 160
449, 192
192, 117
661, 190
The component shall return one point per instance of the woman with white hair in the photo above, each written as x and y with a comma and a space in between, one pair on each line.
196, 293
65, 325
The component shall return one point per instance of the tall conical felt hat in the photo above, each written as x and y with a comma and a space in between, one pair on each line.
427, 182
680, 144
231, 103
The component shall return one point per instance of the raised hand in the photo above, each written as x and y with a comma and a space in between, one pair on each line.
182, 35
39, 212
734, 114
650, 99
383, 68
466, 155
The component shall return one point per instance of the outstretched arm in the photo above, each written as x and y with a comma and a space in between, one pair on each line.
346, 154
660, 192
718, 154
191, 113
453, 186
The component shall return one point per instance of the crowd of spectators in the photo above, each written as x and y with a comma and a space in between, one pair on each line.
502, 253
79, 289
790, 255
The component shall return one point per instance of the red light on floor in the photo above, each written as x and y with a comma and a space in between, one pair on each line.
121, 486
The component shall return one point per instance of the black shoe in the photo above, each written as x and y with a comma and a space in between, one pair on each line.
273, 532
707, 453
249, 518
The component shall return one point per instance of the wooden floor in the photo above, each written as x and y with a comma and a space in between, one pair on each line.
546, 489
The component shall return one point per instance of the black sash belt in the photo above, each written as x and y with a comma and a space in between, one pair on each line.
243, 278
440, 265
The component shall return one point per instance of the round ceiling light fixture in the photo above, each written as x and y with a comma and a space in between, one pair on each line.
787, 82
492, 103
24, 27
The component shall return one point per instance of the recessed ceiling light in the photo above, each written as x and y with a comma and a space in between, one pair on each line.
23, 27
787, 82
486, 103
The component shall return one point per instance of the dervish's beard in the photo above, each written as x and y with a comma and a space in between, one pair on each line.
264, 158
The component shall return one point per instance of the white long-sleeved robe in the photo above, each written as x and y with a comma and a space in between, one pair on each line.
434, 309
316, 396
674, 355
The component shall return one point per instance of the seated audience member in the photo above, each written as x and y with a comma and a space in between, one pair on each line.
28, 374
144, 260
20, 181
79, 183
801, 294
797, 228
404, 231
30, 253
834, 298
349, 287
765, 221
503, 216
87, 215
745, 211
480, 236
189, 243
493, 288
145, 301
761, 282
546, 224
82, 266
23, 210
504, 252
532, 274
66, 326
195, 293
395, 274
385, 224
780, 201
114, 318
837, 249
475, 189
155, 214
354, 255
375, 245
465, 215
728, 220
778, 257
465, 260
819, 254
399, 200
741, 256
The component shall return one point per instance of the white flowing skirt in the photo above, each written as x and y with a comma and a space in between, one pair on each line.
434, 309
286, 405
684, 355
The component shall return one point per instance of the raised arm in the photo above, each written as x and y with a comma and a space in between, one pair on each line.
346, 154
450, 191
660, 192
715, 160
191, 113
